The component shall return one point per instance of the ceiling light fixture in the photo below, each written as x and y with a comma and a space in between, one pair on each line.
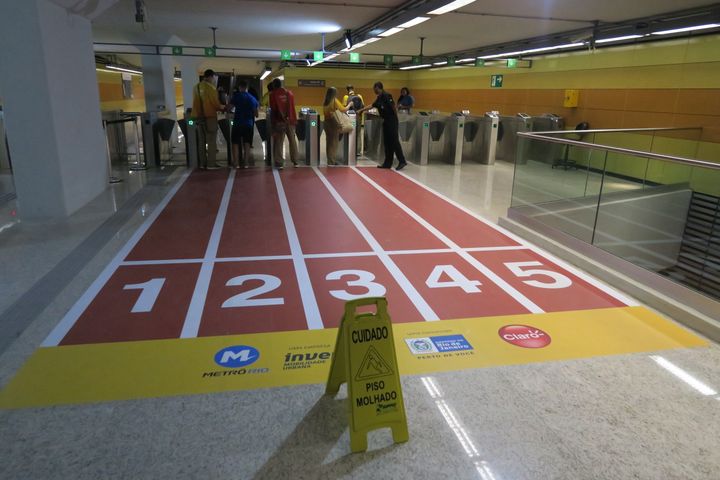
391, 31
413, 67
413, 22
533, 50
618, 39
348, 39
265, 74
687, 29
450, 7
124, 69
440, 63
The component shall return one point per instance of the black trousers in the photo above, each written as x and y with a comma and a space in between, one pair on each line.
391, 139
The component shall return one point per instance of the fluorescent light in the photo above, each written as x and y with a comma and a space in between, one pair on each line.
450, 7
687, 29
265, 74
440, 63
413, 22
122, 69
329, 57
532, 50
684, 376
348, 39
618, 39
465, 60
392, 31
371, 40
413, 67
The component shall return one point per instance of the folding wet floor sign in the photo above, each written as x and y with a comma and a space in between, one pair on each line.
365, 359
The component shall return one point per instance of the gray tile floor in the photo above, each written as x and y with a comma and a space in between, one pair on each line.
615, 417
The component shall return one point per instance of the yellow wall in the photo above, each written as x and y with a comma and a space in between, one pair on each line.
674, 83
111, 95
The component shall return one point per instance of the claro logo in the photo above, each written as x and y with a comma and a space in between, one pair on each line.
236, 356
524, 336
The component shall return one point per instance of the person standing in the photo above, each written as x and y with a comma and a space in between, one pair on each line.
405, 101
332, 129
356, 103
246, 110
283, 121
385, 106
206, 104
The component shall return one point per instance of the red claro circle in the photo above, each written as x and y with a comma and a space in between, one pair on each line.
524, 336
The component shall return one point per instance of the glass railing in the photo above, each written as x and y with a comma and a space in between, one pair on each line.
640, 194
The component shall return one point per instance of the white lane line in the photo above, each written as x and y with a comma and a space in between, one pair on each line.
496, 249
495, 278
312, 311
261, 258
561, 263
425, 310
340, 255
178, 261
254, 259
62, 328
197, 303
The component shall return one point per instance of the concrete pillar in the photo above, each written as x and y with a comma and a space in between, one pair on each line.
159, 84
52, 108
190, 77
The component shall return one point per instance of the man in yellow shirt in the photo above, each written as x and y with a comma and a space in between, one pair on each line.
206, 104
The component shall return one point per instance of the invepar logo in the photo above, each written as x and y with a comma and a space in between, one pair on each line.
524, 336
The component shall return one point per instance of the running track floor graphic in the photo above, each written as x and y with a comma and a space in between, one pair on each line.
271, 257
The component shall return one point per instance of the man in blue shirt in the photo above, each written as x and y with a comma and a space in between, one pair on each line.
246, 110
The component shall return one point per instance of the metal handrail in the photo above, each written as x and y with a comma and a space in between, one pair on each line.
615, 130
638, 153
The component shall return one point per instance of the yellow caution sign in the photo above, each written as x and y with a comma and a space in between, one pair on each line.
365, 359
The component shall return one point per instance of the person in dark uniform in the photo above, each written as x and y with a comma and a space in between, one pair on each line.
386, 108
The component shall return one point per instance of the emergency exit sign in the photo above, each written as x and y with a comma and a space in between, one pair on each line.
354, 57
210, 52
496, 81
317, 56
285, 55
177, 50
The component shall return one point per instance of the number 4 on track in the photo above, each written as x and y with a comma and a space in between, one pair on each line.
457, 279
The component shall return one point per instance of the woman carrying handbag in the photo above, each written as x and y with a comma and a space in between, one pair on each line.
335, 123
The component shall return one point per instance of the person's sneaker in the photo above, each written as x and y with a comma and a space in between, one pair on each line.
384, 166
401, 166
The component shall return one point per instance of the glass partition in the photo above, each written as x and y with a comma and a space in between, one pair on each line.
616, 191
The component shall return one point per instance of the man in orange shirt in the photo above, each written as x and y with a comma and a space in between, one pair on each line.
283, 119
206, 104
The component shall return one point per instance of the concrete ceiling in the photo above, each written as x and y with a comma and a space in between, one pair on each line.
297, 25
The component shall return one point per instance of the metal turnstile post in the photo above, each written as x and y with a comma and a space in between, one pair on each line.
456, 142
349, 151
312, 138
192, 144
423, 138
491, 136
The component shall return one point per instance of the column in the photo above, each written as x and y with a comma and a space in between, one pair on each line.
52, 108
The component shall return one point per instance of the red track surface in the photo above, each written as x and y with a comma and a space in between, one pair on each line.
341, 265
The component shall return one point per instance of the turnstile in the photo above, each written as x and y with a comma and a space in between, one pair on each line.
414, 131
349, 152
4, 150
374, 149
507, 148
480, 138
546, 152
308, 136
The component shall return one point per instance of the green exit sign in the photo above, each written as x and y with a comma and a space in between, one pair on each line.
496, 81
479, 62
177, 50
388, 60
210, 52
512, 63
317, 56
416, 60
451, 61
354, 57
285, 55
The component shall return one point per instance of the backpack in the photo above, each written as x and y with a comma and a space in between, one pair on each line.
356, 102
